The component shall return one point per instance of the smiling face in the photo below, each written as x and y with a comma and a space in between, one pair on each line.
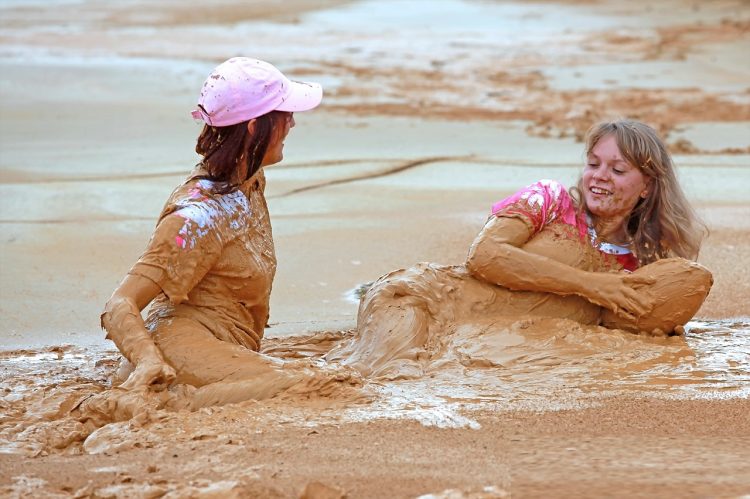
611, 185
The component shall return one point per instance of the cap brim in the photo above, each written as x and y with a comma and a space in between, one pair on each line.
303, 96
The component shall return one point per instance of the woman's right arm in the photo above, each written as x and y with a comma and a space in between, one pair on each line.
124, 325
497, 256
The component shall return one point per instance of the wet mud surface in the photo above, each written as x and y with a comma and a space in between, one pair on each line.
521, 375
513, 365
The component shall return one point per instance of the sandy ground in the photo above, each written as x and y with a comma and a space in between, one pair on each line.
430, 116
625, 448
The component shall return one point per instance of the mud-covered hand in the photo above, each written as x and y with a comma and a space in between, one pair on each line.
124, 325
622, 293
154, 373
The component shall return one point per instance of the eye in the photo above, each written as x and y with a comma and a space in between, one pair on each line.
618, 171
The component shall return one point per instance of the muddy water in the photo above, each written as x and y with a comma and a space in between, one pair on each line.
522, 365
511, 365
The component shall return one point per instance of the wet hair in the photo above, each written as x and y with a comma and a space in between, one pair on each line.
663, 224
225, 148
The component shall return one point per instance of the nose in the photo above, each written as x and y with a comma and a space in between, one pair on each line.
601, 173
291, 121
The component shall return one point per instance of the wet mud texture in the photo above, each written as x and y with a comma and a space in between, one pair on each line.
626, 402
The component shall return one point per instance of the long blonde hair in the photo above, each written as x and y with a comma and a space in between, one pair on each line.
663, 224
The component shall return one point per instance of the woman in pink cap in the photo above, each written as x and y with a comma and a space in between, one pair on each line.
209, 265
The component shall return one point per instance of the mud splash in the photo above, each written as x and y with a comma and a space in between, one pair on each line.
512, 365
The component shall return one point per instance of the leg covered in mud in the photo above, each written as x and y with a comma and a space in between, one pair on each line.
404, 317
225, 373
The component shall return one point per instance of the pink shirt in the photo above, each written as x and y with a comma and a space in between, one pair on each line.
547, 201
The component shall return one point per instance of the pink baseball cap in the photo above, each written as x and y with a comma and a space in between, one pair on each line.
241, 89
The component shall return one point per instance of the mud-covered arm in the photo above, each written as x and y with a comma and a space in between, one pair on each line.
124, 325
497, 256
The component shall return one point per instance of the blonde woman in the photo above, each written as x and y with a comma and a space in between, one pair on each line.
613, 251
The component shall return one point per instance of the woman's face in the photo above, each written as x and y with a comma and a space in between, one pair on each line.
275, 151
611, 185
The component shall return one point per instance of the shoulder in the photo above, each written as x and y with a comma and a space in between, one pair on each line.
544, 190
542, 193
198, 197
194, 204
539, 204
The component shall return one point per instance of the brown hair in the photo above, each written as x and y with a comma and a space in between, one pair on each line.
225, 148
663, 224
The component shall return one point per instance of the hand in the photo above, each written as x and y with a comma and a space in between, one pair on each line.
150, 373
622, 293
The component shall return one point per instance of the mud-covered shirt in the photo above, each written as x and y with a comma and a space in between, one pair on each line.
213, 257
546, 202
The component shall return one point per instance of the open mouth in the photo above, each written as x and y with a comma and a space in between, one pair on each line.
600, 191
